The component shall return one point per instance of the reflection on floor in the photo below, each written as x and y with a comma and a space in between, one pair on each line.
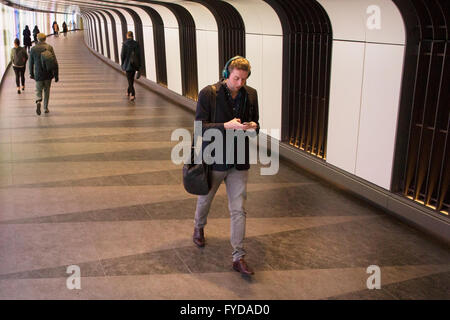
92, 184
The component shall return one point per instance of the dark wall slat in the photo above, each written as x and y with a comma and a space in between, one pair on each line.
307, 41
422, 174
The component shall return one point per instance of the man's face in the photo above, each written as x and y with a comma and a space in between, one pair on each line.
237, 79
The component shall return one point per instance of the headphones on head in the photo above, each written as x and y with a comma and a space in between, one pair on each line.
226, 72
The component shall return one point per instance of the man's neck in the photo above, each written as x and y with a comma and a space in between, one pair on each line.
233, 93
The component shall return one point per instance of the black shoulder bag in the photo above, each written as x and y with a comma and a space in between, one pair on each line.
197, 177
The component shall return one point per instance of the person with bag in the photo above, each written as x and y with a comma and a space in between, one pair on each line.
55, 28
27, 38
228, 105
64, 26
43, 68
19, 59
130, 56
35, 33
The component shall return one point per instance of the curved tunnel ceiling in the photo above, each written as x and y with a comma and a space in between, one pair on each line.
64, 6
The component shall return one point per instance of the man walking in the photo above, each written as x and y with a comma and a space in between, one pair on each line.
130, 56
43, 68
236, 108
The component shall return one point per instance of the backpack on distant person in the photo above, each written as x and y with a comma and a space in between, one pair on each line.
20, 57
134, 60
48, 61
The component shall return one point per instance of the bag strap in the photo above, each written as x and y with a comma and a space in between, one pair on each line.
213, 103
213, 112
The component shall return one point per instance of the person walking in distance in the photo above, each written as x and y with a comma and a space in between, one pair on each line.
35, 33
27, 38
19, 59
64, 26
43, 68
55, 28
236, 109
130, 56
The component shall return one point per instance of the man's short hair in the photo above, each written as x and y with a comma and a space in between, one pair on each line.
240, 64
16, 41
41, 37
130, 34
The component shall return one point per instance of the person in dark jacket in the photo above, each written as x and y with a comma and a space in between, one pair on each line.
64, 26
27, 38
19, 59
130, 56
55, 28
43, 77
35, 33
236, 109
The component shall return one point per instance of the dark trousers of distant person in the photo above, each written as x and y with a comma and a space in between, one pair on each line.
130, 77
20, 75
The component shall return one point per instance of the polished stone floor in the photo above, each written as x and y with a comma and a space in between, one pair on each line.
92, 184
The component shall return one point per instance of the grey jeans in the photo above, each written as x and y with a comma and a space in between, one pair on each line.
43, 85
236, 184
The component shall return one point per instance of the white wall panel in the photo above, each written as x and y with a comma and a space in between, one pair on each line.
95, 31
265, 58
129, 19
361, 134
111, 36
345, 102
207, 43
254, 48
118, 30
173, 60
204, 19
271, 93
172, 42
150, 65
149, 44
378, 121
119, 37
91, 30
392, 28
169, 19
87, 29
103, 31
348, 18
207, 57
145, 18
258, 16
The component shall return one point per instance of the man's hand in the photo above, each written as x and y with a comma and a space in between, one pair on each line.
234, 124
250, 125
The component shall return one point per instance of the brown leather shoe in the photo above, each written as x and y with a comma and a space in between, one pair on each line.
199, 237
242, 267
